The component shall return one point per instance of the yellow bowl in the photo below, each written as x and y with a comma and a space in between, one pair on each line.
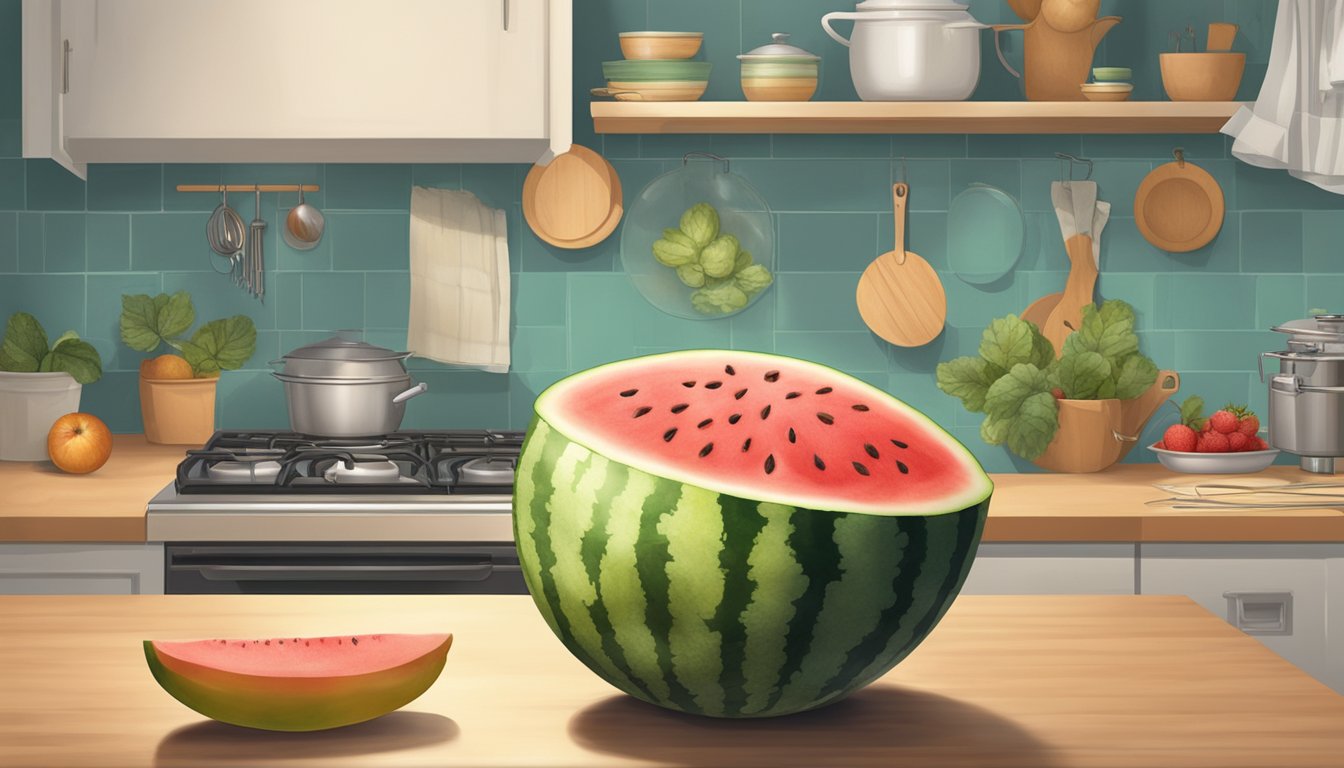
1202, 76
660, 45
779, 88
1106, 91
662, 90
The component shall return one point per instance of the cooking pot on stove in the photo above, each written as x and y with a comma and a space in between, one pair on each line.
1306, 396
345, 387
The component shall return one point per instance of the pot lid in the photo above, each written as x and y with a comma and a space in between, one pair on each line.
344, 346
910, 5
779, 50
1321, 327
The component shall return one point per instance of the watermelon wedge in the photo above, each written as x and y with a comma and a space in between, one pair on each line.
300, 683
738, 534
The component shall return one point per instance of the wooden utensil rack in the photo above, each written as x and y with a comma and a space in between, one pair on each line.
218, 188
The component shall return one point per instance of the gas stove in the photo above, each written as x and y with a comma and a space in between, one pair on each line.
453, 486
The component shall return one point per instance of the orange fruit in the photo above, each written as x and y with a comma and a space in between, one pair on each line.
166, 367
79, 443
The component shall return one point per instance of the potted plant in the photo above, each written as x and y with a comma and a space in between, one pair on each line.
1081, 412
39, 383
177, 391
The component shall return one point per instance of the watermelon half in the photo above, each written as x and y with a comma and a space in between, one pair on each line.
738, 534
299, 683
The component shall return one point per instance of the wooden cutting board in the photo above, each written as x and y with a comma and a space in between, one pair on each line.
1067, 316
899, 295
575, 200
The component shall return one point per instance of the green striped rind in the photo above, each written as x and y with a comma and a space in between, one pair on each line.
717, 605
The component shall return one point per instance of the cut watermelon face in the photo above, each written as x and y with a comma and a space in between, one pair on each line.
736, 534
300, 683
768, 428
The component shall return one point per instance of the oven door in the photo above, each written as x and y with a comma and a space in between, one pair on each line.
340, 568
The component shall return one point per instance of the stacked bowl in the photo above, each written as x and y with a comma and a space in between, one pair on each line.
657, 67
1111, 84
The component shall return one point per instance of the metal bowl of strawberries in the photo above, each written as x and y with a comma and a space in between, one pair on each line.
1226, 443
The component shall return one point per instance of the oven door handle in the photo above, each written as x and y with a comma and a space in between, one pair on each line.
446, 572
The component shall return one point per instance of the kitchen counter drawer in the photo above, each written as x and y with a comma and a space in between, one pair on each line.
90, 569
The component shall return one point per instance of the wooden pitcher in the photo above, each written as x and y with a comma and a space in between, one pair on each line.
1094, 434
1057, 58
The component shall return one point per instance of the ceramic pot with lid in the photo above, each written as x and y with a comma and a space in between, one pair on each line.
779, 71
911, 50
1306, 396
344, 387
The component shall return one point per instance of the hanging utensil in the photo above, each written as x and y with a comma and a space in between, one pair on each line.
1075, 202
574, 201
899, 295
303, 226
224, 231
1179, 206
256, 268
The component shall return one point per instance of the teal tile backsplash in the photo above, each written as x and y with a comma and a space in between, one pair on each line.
68, 249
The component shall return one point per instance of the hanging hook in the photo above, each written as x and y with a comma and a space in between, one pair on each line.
1066, 163
1179, 154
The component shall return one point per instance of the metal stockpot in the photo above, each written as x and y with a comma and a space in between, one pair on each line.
1306, 396
343, 387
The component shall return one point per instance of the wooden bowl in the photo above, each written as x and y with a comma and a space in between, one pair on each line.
1106, 91
660, 45
1202, 76
661, 90
779, 88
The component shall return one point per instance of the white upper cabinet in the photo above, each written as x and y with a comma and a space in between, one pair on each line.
297, 81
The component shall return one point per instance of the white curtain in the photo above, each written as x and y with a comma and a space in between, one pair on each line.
1297, 123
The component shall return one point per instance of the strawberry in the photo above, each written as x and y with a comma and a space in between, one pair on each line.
1058, 392
1161, 444
1179, 437
1213, 442
1208, 426
1260, 444
1224, 421
1238, 441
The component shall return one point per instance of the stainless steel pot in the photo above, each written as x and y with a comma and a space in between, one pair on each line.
347, 407
1306, 396
345, 387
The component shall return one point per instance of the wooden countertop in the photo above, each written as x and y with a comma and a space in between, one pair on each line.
41, 503
1111, 506
1036, 682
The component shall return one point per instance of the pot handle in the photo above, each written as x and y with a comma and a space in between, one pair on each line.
998, 49
418, 389
1119, 438
840, 16
277, 364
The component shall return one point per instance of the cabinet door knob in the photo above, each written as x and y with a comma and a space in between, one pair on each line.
1260, 613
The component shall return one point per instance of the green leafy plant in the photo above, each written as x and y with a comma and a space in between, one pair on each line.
1017, 382
150, 321
24, 349
711, 261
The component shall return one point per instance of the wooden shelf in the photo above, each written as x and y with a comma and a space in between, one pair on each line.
912, 116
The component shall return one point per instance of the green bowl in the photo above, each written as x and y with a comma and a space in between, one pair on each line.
655, 70
1112, 74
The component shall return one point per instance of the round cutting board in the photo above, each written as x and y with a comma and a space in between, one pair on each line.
899, 295
1179, 207
574, 201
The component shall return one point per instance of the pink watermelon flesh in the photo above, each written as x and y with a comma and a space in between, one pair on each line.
298, 683
767, 428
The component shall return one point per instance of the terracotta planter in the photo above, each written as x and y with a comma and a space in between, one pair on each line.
1094, 434
178, 411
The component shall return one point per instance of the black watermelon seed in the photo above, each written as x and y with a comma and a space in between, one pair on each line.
899, 444
817, 460
765, 413
688, 384
824, 391
859, 407
871, 449
714, 385
679, 407
792, 395
826, 418
705, 451
772, 376
736, 417
705, 423
738, 394
630, 393
862, 470
282, 642
669, 434
354, 641
746, 445
728, 369
901, 466
642, 410
769, 463
793, 436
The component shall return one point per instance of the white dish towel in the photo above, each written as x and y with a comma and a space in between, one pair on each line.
459, 280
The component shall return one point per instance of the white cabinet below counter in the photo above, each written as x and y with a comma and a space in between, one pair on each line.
1052, 569
164, 81
81, 569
